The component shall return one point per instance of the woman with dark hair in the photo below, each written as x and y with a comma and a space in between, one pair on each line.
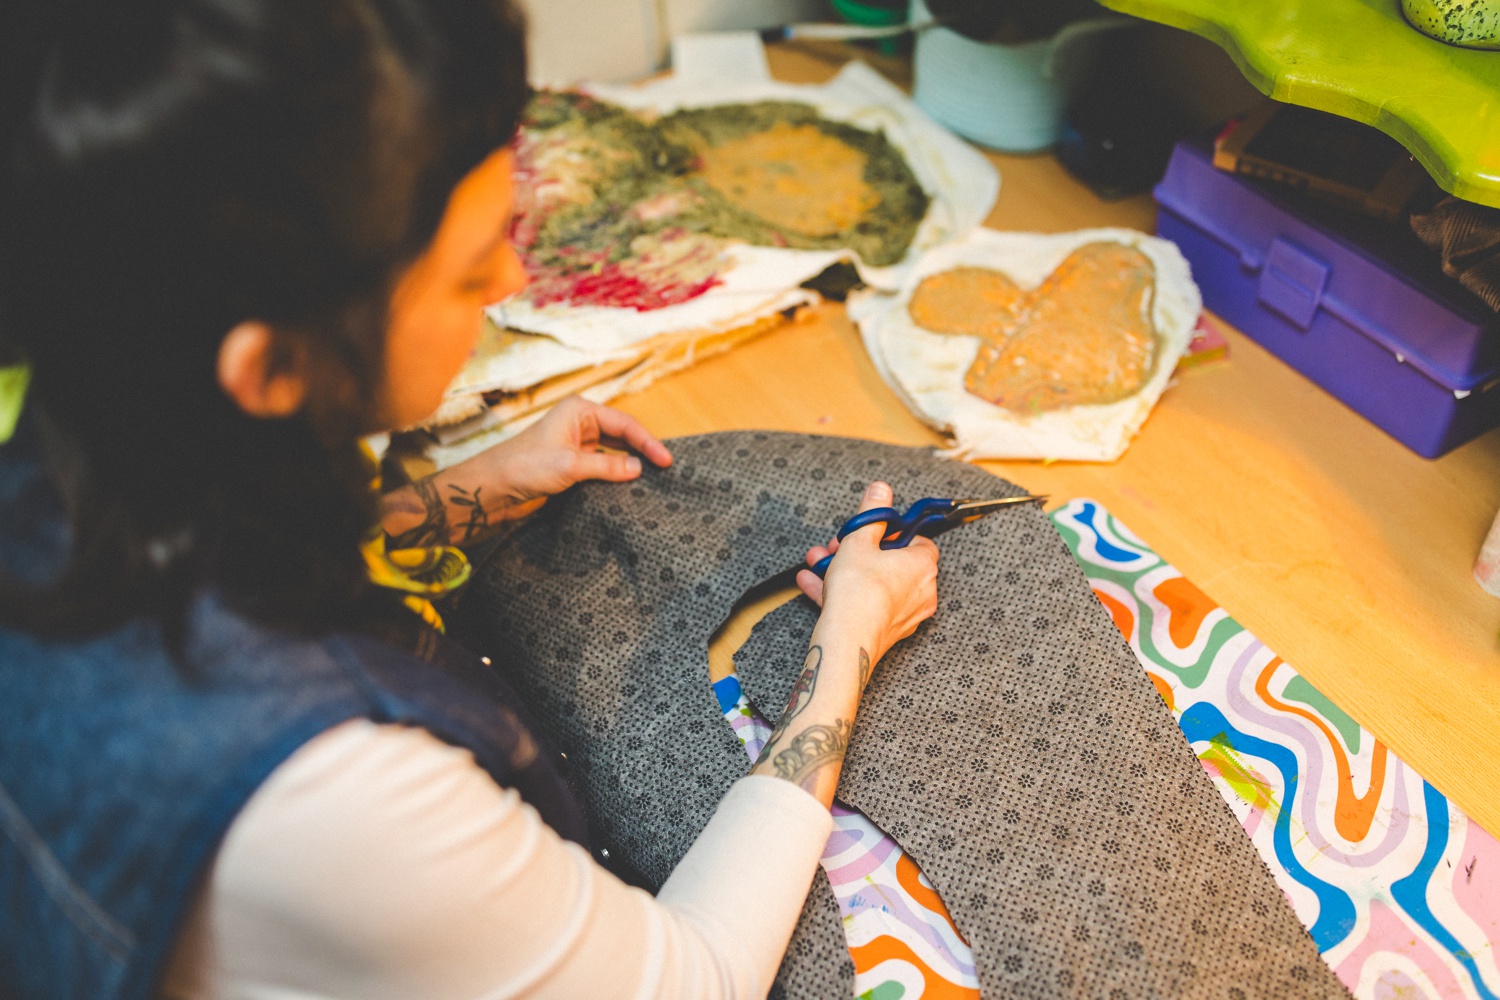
237, 756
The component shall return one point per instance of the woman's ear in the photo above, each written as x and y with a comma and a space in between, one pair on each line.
258, 372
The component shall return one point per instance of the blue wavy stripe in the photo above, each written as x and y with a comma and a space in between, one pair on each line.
1114, 553
727, 690
1410, 892
1204, 723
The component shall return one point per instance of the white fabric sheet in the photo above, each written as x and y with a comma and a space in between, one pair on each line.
927, 369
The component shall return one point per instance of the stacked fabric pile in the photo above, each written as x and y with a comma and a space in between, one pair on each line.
665, 223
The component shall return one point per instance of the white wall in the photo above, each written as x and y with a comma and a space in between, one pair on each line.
614, 40
571, 40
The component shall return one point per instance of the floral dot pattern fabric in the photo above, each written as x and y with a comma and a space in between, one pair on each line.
1012, 746
817, 964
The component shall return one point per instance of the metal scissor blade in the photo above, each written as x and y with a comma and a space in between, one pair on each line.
968, 510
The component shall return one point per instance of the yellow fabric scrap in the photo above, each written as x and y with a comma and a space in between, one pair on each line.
13, 382
420, 573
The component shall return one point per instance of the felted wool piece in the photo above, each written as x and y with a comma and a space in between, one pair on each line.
1055, 805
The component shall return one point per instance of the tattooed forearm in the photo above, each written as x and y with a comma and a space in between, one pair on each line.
811, 751
470, 518
802, 691
433, 528
478, 518
807, 746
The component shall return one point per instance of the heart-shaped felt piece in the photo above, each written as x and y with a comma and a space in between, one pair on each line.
1083, 336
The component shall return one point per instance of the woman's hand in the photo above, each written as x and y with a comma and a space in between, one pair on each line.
562, 449
515, 477
884, 594
871, 598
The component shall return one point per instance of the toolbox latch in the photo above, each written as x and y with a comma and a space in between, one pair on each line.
1292, 282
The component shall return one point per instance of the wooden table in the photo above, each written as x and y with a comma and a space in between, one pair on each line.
1347, 554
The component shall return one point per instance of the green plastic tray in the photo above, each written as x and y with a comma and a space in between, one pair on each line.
1360, 59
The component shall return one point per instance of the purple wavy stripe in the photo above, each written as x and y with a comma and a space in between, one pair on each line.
739, 722
841, 840
1298, 730
894, 904
751, 730
862, 866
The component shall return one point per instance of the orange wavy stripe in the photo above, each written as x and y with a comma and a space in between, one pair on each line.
1123, 616
1164, 689
909, 877
934, 986
1187, 606
1352, 814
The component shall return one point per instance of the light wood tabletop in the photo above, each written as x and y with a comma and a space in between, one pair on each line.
1343, 551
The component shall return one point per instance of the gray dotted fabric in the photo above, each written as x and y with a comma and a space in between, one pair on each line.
600, 610
817, 965
601, 607
1016, 749
1013, 746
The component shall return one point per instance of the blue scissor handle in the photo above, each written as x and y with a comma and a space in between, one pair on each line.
900, 528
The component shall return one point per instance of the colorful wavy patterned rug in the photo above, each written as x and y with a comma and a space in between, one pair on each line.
1400, 890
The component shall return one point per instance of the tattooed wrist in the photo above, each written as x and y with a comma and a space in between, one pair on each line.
476, 518
811, 752
470, 517
433, 528
812, 757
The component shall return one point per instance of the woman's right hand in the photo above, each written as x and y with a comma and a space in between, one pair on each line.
871, 598
882, 594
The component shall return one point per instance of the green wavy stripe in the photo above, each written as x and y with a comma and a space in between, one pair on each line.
1191, 676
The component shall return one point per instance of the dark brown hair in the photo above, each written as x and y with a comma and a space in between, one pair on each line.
170, 168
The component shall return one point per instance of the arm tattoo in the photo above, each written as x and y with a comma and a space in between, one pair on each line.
866, 668
803, 760
433, 530
813, 749
802, 693
478, 518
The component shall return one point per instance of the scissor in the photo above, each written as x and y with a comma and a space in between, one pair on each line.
927, 516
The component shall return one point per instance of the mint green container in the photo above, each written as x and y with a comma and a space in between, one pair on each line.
874, 15
1007, 97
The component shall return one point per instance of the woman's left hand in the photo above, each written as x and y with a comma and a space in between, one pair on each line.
515, 477
562, 449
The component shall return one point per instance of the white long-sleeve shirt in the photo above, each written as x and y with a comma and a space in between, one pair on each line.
379, 862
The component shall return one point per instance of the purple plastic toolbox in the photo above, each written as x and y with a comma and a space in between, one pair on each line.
1358, 306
